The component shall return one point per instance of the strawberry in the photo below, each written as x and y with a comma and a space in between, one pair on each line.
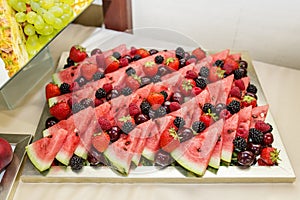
215, 73
142, 52
52, 90
77, 53
150, 68
88, 70
156, 98
107, 87
206, 119
169, 140
112, 64
172, 63
270, 155
230, 65
60, 110
248, 101
133, 82
186, 86
101, 141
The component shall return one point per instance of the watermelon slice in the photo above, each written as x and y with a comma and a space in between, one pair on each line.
194, 154
244, 122
43, 151
215, 158
228, 135
220, 89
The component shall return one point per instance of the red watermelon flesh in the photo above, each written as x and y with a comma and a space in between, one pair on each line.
225, 87
258, 113
220, 55
215, 158
228, 135
43, 151
67, 124
194, 154
235, 56
244, 122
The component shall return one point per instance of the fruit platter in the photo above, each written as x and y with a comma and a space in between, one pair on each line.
132, 114
12, 153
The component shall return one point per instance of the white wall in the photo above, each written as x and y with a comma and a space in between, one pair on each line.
269, 30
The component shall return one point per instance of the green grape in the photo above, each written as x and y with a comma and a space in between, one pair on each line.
19, 6
34, 5
70, 2
47, 30
58, 23
48, 17
12, 2
39, 22
66, 18
44, 39
56, 11
30, 17
32, 42
67, 9
41, 11
29, 29
20, 17
46, 4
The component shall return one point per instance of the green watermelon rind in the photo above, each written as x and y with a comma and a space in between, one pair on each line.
41, 165
56, 79
81, 151
214, 162
119, 164
46, 133
149, 154
52, 101
226, 156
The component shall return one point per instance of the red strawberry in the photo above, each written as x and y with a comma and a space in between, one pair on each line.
60, 110
206, 119
150, 68
104, 123
112, 64
172, 63
101, 141
196, 91
142, 52
133, 82
262, 163
270, 155
52, 90
230, 65
215, 73
169, 140
77, 53
186, 86
88, 70
199, 53
107, 87
156, 98
248, 101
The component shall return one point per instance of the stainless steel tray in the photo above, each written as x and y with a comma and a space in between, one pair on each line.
281, 173
7, 183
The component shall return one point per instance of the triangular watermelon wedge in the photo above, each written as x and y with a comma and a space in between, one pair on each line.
244, 122
43, 151
194, 154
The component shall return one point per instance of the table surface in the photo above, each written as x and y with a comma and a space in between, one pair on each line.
279, 84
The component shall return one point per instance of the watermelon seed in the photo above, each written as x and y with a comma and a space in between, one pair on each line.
230, 131
72, 74
127, 143
199, 149
125, 149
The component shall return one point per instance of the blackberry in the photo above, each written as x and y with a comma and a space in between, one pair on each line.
179, 52
86, 102
76, 163
100, 93
165, 94
145, 107
67, 66
126, 91
239, 144
182, 62
234, 107
81, 81
152, 113
162, 70
238, 74
127, 127
219, 63
255, 136
198, 126
159, 59
136, 57
156, 78
98, 76
76, 107
179, 122
201, 82
129, 71
208, 108
252, 89
160, 112
117, 55
204, 72
70, 62
153, 51
145, 80
64, 88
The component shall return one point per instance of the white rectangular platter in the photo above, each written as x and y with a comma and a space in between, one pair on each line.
145, 174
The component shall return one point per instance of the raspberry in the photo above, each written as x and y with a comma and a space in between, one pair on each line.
104, 123
107, 87
133, 109
98, 102
241, 132
236, 92
262, 126
240, 84
174, 106
196, 91
124, 62
191, 74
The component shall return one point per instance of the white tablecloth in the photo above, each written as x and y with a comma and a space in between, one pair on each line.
279, 84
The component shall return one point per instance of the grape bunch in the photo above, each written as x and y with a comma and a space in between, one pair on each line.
41, 20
